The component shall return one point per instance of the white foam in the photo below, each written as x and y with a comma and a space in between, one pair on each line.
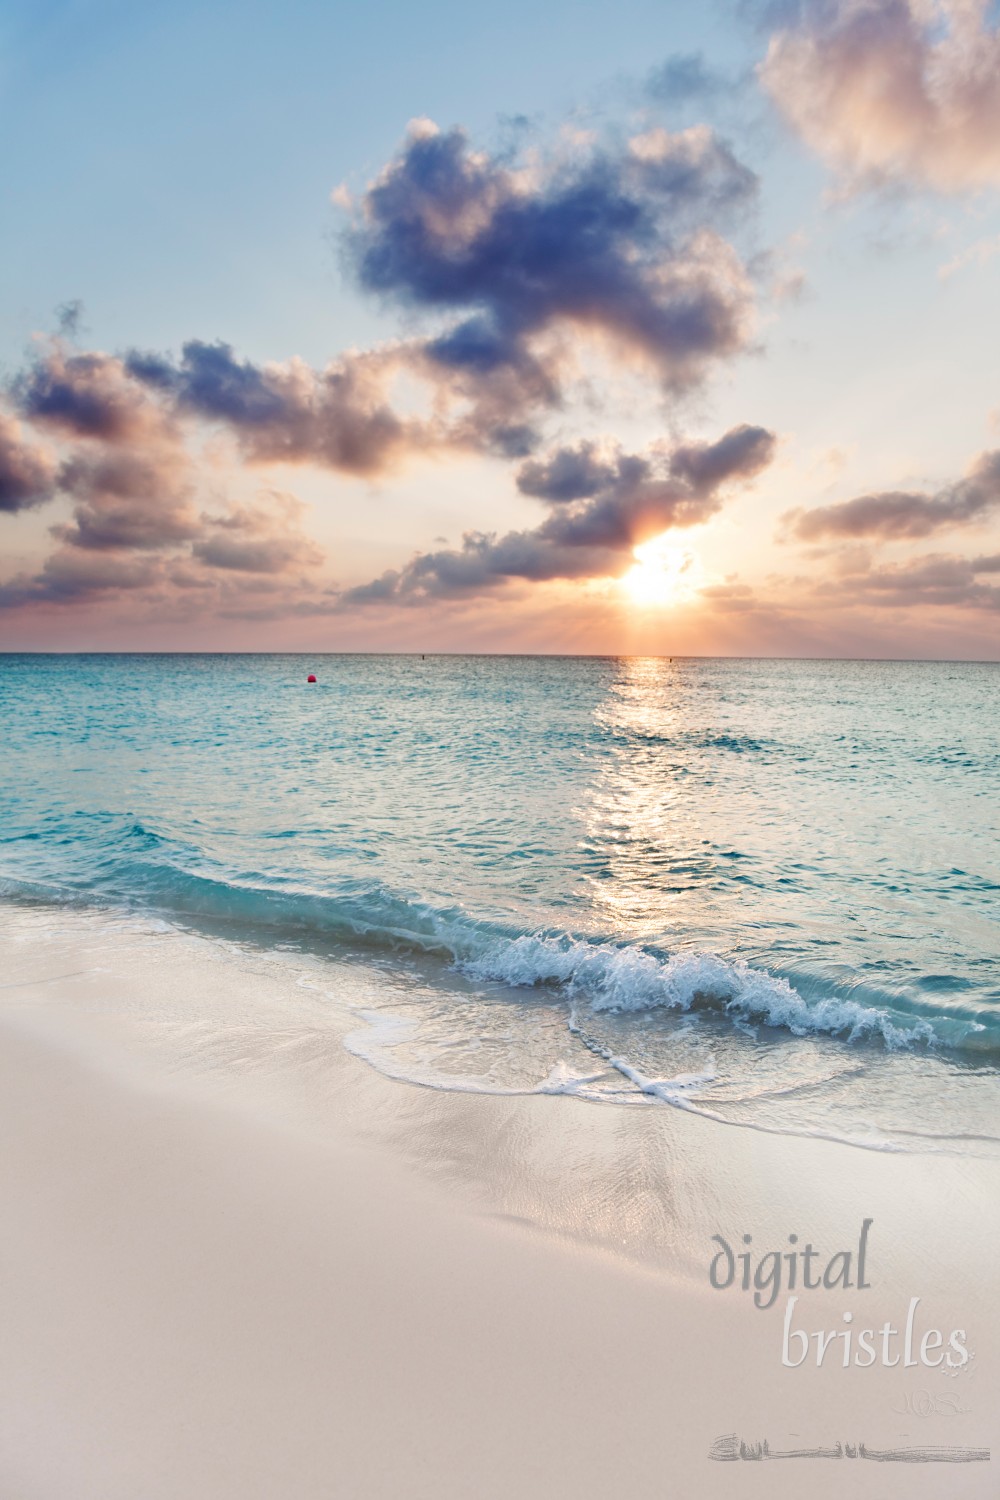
630, 979
563, 1080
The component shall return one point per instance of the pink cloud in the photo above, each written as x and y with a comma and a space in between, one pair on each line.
893, 91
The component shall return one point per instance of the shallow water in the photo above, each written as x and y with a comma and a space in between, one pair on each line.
766, 891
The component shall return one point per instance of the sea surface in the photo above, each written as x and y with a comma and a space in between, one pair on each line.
764, 891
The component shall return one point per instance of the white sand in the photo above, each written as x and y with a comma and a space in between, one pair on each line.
237, 1264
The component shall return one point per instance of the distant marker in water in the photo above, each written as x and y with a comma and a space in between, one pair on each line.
310, 678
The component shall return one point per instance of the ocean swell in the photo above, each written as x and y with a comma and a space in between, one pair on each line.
142, 870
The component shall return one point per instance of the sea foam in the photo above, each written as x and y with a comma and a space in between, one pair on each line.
624, 979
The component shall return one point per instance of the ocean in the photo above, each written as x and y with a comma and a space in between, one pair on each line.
762, 891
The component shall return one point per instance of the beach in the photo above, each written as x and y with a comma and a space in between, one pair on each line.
499, 771
240, 1262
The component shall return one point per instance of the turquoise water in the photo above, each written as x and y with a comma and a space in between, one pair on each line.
765, 890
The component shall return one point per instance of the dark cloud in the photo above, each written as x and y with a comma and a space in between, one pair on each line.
87, 395
600, 508
740, 454
618, 242
289, 412
129, 474
683, 479
27, 472
71, 575
516, 259
212, 382
137, 498
173, 556
151, 369
251, 554
892, 91
899, 514
937, 580
132, 481
474, 346
483, 562
665, 487
258, 539
343, 416
570, 473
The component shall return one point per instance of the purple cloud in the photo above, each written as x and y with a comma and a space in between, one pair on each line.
938, 580
600, 508
258, 539
27, 472
901, 514
619, 242
83, 395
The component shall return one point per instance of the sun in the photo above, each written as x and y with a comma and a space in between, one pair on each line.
662, 574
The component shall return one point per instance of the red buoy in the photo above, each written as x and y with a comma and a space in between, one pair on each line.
310, 678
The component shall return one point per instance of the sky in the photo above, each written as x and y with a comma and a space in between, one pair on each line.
632, 328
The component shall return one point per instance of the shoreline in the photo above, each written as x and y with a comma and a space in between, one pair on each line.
239, 1262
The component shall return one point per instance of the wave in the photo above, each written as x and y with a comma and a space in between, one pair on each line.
370, 916
141, 869
633, 979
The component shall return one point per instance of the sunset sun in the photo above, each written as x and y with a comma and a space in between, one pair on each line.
662, 574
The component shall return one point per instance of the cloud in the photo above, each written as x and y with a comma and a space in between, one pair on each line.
893, 92
72, 574
520, 265
789, 286
572, 473
84, 395
731, 598
127, 470
179, 561
900, 514
342, 417
617, 244
978, 254
287, 412
69, 318
620, 242
27, 472
137, 498
683, 77
258, 539
938, 580
132, 481
603, 502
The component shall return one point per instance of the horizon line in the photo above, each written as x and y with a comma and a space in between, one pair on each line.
940, 661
